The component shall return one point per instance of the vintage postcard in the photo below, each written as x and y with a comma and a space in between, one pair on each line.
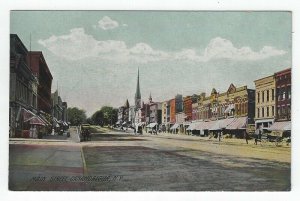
150, 100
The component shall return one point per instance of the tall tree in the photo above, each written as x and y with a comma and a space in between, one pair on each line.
76, 116
97, 118
106, 115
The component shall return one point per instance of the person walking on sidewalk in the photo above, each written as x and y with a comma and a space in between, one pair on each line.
246, 136
220, 135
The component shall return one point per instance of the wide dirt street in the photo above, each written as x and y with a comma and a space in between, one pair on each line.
119, 161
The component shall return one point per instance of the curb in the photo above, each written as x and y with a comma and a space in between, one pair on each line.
83, 161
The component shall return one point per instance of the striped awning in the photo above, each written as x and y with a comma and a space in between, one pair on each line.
205, 125
281, 126
151, 125
36, 120
238, 123
27, 115
175, 126
223, 123
192, 126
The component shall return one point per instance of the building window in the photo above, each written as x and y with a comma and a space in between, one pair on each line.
263, 96
267, 111
273, 94
262, 112
258, 97
278, 94
283, 94
267, 95
289, 92
273, 112
257, 112
283, 111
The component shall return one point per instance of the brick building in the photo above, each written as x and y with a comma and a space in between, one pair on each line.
40, 69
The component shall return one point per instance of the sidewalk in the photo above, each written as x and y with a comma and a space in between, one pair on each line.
224, 141
36, 140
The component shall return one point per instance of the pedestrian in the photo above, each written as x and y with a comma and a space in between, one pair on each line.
258, 138
220, 135
246, 136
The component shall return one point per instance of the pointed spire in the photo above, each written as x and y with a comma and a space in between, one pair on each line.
127, 104
150, 98
138, 92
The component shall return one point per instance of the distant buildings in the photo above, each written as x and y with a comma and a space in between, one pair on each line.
123, 114
229, 112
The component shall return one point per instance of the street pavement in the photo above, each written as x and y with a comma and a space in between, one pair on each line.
122, 161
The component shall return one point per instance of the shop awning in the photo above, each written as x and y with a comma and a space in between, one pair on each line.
192, 126
36, 120
55, 120
27, 115
44, 119
199, 125
175, 126
151, 125
264, 121
281, 126
223, 123
238, 123
209, 125
187, 123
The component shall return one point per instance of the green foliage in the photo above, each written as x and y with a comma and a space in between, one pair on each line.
106, 115
76, 116
97, 118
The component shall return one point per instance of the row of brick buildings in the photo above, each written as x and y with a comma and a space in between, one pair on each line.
31, 104
268, 107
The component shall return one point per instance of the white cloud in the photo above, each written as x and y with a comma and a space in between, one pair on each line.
79, 45
220, 48
107, 23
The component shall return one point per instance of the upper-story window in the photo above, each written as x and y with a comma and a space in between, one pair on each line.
263, 96
273, 94
258, 97
267, 95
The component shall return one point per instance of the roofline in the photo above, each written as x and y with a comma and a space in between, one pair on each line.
43, 58
18, 38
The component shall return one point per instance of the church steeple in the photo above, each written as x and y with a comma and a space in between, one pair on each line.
138, 92
150, 98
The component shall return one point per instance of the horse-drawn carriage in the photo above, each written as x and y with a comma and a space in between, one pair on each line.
276, 137
85, 133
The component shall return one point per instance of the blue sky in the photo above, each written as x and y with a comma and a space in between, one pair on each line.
94, 55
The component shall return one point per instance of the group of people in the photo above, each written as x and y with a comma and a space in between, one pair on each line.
86, 134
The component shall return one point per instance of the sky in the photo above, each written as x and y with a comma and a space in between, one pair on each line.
94, 56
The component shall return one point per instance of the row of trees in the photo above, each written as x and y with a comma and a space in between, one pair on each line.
105, 116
